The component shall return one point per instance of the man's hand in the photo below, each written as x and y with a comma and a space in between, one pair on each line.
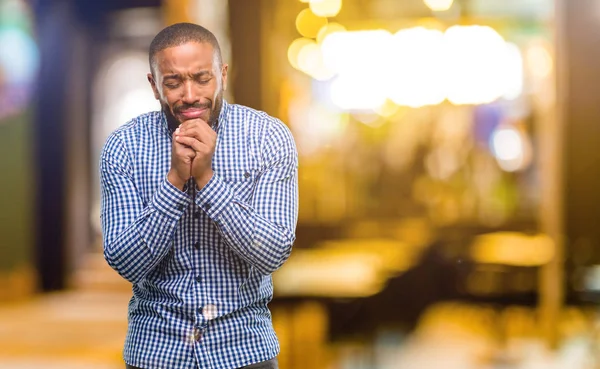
201, 138
182, 157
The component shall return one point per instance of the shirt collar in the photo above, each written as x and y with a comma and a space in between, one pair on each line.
217, 126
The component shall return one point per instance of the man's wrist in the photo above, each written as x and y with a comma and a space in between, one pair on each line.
204, 179
175, 180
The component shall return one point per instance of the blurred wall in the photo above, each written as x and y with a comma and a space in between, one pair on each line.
16, 206
18, 67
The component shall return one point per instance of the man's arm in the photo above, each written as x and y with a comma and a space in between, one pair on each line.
262, 231
136, 236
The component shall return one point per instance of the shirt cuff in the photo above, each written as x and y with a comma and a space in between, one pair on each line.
214, 197
170, 201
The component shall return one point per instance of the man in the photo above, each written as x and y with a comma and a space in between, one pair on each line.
199, 207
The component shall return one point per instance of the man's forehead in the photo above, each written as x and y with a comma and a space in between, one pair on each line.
188, 51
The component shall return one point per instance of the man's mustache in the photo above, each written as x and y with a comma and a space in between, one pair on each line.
181, 108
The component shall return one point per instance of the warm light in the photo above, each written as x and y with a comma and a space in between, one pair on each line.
514, 72
331, 274
511, 248
439, 5
326, 8
350, 93
511, 148
308, 58
362, 76
416, 75
308, 23
310, 61
388, 109
507, 144
329, 29
315, 125
357, 52
415, 67
539, 61
475, 62
294, 50
369, 118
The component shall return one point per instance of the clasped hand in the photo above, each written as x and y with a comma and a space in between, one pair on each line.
191, 153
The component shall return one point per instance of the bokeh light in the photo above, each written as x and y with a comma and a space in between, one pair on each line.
326, 8
439, 5
475, 58
511, 148
294, 50
310, 61
308, 23
416, 75
415, 67
357, 52
350, 93
19, 57
514, 72
329, 29
539, 60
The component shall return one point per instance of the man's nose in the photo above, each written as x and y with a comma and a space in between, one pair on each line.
189, 95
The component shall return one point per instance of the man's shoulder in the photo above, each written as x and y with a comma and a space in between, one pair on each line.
258, 120
131, 131
139, 123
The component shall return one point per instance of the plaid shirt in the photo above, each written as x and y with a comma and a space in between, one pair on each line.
200, 263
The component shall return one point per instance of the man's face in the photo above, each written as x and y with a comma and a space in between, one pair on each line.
188, 83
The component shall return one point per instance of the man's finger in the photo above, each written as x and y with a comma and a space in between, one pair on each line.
191, 142
196, 123
183, 150
202, 134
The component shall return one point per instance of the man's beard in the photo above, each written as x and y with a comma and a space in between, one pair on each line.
214, 108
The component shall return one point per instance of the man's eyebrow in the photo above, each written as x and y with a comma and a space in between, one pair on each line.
171, 76
203, 73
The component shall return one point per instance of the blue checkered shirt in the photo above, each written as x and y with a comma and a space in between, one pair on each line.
200, 262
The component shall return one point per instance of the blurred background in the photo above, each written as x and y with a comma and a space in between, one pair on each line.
449, 175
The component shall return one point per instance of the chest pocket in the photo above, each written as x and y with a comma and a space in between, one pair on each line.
241, 181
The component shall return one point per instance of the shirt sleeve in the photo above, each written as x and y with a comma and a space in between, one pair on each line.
136, 236
262, 231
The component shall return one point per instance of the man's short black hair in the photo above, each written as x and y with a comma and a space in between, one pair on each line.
179, 34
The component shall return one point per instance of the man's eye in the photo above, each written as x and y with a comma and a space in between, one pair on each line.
204, 81
172, 85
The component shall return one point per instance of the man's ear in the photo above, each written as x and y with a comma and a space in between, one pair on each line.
224, 76
153, 85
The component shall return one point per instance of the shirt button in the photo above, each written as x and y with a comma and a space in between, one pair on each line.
199, 279
207, 206
247, 175
196, 215
180, 207
197, 245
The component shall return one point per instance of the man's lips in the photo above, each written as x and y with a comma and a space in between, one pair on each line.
192, 113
